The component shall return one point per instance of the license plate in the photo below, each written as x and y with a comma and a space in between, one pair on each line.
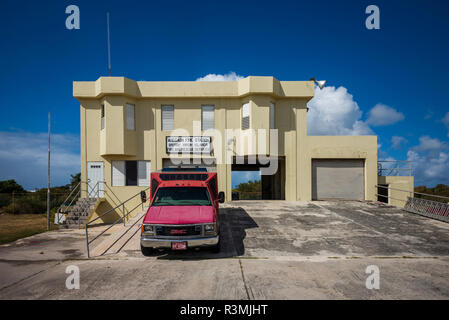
179, 245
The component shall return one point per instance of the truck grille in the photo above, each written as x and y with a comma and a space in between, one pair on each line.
178, 231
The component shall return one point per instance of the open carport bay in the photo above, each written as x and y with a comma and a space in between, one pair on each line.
270, 249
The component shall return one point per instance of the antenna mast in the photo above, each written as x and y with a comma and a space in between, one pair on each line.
109, 45
48, 177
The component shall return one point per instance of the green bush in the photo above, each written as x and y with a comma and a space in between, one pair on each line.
32, 202
26, 205
5, 199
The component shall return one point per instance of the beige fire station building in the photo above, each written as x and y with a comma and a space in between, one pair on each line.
130, 128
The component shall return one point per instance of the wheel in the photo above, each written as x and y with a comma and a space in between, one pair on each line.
146, 251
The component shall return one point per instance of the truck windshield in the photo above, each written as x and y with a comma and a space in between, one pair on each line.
182, 196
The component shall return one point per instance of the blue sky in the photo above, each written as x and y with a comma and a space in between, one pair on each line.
392, 82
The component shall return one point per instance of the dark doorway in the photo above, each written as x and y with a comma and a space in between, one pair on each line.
382, 193
246, 185
272, 186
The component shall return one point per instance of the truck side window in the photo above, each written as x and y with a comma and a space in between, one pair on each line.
213, 187
154, 185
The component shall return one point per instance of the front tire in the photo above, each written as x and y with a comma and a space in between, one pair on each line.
146, 251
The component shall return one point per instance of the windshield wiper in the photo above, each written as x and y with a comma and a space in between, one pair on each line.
193, 203
164, 203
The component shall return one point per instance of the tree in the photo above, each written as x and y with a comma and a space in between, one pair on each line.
10, 186
75, 179
250, 186
439, 190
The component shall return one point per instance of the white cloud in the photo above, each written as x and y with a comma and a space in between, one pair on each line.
333, 111
428, 170
397, 142
428, 144
23, 157
430, 161
445, 120
383, 115
231, 76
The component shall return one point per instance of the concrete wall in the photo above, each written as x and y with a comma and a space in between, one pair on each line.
148, 141
344, 147
398, 198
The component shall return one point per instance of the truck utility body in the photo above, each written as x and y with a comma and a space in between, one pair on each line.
183, 211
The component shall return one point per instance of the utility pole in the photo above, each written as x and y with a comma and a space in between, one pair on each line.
109, 45
48, 177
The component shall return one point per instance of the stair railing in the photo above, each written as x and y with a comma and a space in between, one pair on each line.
122, 218
63, 207
75, 194
93, 193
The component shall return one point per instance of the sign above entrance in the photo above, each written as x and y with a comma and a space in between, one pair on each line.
188, 144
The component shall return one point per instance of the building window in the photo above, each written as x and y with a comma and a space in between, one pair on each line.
130, 117
245, 116
143, 173
271, 115
168, 117
102, 116
131, 173
118, 173
207, 117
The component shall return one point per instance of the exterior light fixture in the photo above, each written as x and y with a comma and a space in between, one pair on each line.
320, 83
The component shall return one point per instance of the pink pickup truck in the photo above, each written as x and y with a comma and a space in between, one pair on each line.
183, 211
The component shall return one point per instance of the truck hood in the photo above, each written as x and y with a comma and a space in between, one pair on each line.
179, 215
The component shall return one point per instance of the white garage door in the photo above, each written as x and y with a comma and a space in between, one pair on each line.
338, 179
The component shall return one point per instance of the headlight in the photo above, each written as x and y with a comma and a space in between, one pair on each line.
210, 228
147, 229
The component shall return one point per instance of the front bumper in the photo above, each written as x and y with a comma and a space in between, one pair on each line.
149, 242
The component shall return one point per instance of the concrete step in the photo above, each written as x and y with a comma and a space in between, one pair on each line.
79, 213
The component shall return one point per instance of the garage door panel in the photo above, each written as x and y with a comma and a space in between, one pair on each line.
338, 179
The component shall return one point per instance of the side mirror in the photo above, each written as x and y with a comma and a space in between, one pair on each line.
221, 197
143, 196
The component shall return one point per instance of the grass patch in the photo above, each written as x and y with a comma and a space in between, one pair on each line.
18, 226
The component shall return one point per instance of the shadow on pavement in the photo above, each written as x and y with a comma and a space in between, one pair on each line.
233, 223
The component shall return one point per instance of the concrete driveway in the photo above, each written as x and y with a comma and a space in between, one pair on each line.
270, 250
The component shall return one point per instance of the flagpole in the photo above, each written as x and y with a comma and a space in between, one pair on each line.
109, 45
48, 177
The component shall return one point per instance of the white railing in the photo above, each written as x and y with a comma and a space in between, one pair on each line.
435, 209
75, 194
